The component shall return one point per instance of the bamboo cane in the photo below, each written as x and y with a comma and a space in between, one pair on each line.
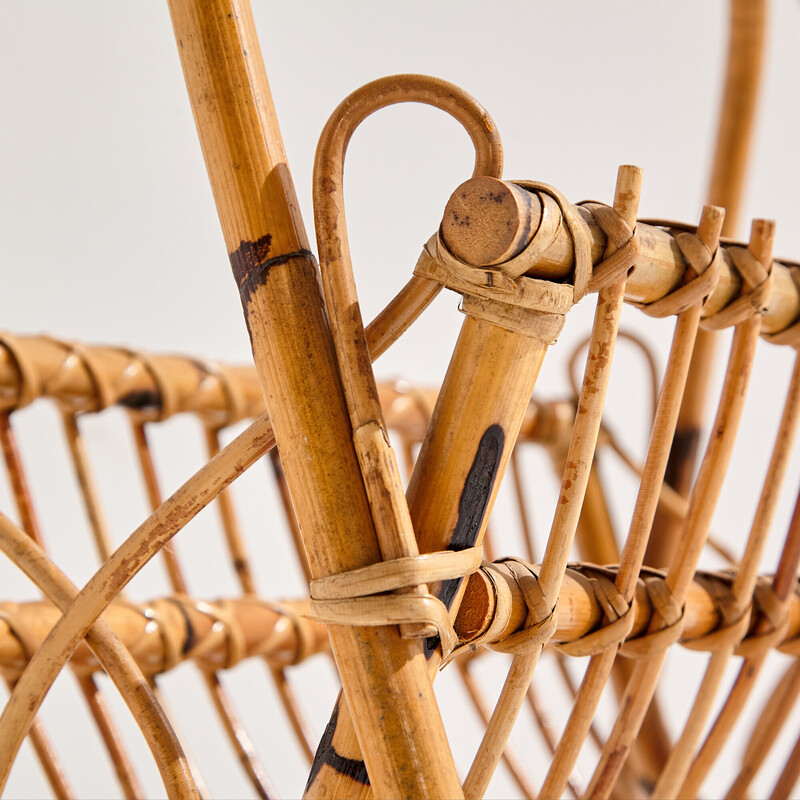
294, 356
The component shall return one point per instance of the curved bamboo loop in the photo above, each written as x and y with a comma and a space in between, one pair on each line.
376, 458
85, 608
116, 660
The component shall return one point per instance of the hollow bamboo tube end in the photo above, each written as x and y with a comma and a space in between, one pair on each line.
488, 221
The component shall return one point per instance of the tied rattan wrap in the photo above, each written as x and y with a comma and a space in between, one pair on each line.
393, 494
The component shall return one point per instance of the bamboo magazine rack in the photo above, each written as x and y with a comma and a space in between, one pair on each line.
638, 642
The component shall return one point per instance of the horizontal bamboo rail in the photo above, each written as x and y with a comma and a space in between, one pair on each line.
166, 632
207, 388
487, 222
155, 632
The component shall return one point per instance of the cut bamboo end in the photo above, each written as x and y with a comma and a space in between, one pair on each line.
488, 221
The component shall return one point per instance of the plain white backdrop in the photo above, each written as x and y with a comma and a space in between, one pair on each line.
108, 233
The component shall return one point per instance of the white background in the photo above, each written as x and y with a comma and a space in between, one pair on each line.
108, 233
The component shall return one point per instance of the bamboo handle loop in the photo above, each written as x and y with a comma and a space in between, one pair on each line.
752, 302
619, 614
669, 612
364, 596
30, 384
540, 622
701, 277
791, 334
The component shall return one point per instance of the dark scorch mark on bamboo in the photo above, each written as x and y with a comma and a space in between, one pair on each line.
189, 639
682, 456
353, 768
250, 264
471, 509
139, 400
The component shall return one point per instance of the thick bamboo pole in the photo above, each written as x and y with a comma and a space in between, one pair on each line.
385, 677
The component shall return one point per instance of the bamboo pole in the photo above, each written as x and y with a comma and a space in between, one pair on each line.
283, 633
576, 475
384, 676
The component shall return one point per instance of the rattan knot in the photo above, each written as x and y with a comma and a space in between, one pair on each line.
757, 285
30, 383
622, 241
235, 400
368, 596
224, 627
76, 354
304, 635
619, 614
670, 614
792, 646
173, 645
166, 402
773, 621
700, 278
540, 623
734, 621
27, 643
791, 334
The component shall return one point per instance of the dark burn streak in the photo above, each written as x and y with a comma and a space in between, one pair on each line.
141, 399
471, 508
189, 640
251, 265
353, 768
682, 457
